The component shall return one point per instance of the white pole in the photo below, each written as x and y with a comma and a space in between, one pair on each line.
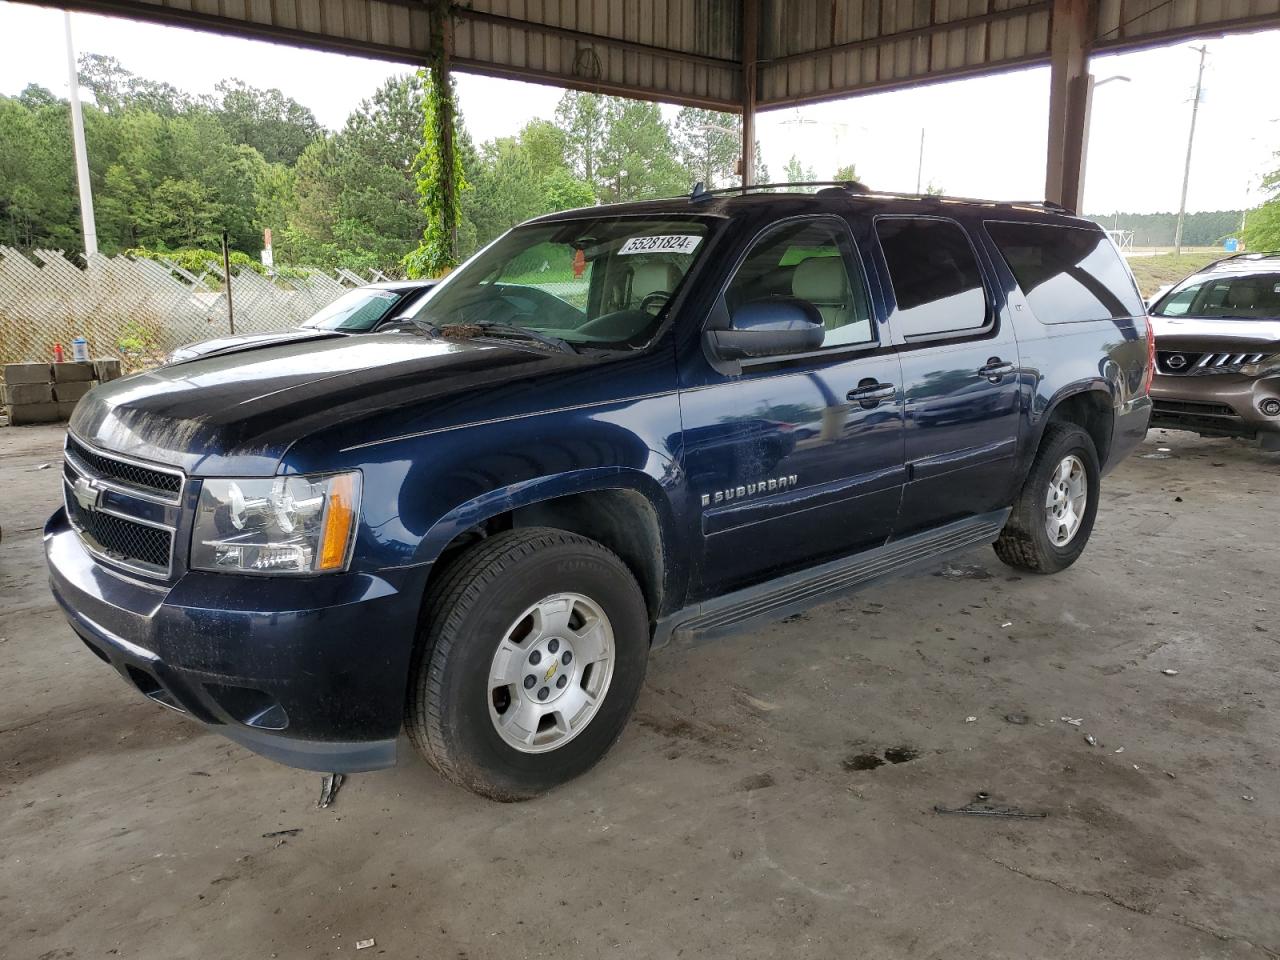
82, 158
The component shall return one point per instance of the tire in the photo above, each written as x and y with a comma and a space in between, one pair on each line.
495, 596
1025, 542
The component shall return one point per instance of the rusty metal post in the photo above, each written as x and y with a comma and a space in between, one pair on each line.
226, 277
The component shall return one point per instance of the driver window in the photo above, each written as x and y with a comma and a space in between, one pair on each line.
808, 260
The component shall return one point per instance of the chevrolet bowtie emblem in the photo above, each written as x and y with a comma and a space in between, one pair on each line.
551, 671
86, 493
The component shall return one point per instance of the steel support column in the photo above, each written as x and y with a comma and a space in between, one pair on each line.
750, 60
1069, 89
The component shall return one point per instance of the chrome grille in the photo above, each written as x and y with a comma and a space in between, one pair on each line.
130, 473
1185, 363
126, 541
123, 530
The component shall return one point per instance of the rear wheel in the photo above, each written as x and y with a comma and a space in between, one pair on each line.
531, 659
1053, 515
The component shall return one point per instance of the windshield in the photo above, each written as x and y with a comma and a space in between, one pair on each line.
355, 312
600, 282
1253, 296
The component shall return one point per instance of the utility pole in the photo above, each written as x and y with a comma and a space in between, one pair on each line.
82, 158
1191, 139
920, 163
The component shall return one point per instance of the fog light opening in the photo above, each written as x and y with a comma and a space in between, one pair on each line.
1270, 407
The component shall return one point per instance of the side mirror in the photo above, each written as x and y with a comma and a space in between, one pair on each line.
768, 328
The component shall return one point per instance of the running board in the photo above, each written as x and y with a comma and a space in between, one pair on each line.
775, 599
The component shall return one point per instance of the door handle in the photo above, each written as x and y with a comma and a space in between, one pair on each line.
994, 369
870, 392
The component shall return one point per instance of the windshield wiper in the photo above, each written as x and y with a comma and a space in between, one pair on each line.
491, 328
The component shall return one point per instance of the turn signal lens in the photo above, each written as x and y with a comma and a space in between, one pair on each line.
1151, 358
338, 522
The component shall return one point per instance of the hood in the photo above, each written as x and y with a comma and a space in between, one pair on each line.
204, 348
237, 413
1187, 333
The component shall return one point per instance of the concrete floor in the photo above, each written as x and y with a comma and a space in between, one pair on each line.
726, 823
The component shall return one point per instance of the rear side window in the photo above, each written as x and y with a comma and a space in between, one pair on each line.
935, 277
1068, 274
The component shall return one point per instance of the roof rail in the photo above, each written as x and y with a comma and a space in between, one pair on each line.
855, 188
1245, 255
700, 192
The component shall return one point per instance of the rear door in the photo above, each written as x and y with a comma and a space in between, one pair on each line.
959, 369
787, 463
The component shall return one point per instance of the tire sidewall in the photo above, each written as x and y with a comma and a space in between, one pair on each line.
482, 758
1077, 442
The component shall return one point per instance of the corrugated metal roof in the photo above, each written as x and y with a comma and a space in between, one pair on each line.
688, 51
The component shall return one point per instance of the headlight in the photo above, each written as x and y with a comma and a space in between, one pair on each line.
277, 525
1263, 368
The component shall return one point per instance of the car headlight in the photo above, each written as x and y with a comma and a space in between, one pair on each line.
276, 525
1263, 368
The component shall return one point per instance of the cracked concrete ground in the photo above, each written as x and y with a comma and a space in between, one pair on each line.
728, 822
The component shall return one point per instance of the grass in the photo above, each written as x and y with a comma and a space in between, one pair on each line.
1154, 272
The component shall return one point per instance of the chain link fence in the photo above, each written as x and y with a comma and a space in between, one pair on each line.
139, 310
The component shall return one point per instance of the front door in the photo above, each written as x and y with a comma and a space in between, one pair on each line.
798, 459
959, 369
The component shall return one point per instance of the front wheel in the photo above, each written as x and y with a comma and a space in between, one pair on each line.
1053, 515
532, 656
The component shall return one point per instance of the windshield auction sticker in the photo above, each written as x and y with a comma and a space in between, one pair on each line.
684, 245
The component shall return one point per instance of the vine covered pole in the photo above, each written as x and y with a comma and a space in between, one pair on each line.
439, 165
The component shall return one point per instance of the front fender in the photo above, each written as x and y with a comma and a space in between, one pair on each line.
652, 482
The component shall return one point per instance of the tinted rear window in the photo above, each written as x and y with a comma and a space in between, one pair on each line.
935, 277
1068, 274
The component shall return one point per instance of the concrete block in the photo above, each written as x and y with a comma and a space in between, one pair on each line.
72, 372
33, 413
66, 408
17, 394
105, 369
27, 373
71, 392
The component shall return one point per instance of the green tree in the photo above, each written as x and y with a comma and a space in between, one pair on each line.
583, 118
848, 172
37, 187
277, 126
637, 158
710, 145
1262, 225
796, 172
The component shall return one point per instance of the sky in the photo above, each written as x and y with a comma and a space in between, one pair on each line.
984, 137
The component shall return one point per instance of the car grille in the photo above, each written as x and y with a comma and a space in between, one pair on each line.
125, 541
126, 472
111, 531
1193, 408
1181, 363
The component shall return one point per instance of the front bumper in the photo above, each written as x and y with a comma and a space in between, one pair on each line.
310, 672
1217, 405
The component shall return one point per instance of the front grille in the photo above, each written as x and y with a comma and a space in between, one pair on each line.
112, 503
125, 541
126, 472
1194, 408
1181, 363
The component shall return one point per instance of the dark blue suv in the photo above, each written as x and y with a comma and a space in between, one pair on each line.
610, 428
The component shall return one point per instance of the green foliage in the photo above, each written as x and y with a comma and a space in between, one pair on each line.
796, 172
1206, 229
710, 145
441, 179
199, 260
848, 172
1262, 227
278, 127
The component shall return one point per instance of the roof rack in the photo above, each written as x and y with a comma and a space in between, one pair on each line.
700, 192
1246, 255
855, 188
